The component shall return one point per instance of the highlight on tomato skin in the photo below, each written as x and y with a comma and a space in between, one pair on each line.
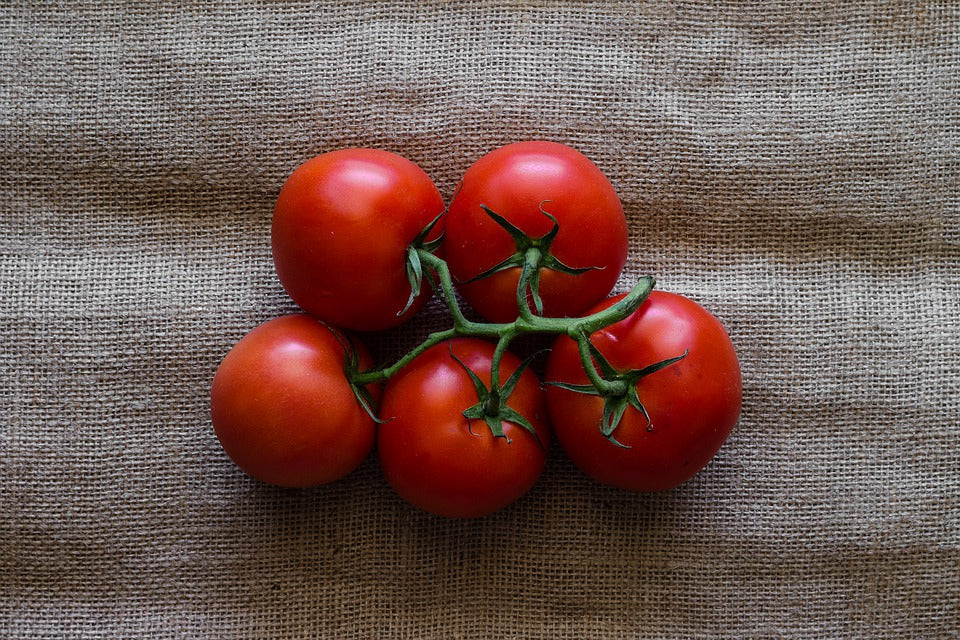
283, 408
340, 231
523, 182
439, 461
693, 404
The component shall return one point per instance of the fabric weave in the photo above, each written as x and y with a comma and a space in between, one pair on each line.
791, 166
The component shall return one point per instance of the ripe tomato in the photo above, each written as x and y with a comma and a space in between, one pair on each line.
282, 406
341, 227
693, 404
515, 181
438, 460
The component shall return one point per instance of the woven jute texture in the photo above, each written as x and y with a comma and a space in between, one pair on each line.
792, 166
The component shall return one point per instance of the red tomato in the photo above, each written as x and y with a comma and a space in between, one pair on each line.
438, 460
693, 404
341, 227
282, 406
515, 181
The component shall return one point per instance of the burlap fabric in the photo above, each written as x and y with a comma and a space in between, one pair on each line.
793, 166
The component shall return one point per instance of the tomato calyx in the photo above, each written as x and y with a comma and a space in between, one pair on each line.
492, 405
617, 388
414, 264
531, 255
352, 368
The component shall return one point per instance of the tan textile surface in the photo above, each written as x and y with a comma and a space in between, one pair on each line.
793, 166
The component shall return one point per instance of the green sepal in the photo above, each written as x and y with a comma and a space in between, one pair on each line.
516, 260
514, 378
520, 237
524, 243
365, 398
549, 260
415, 266
606, 369
656, 366
615, 404
633, 397
495, 419
587, 389
613, 409
414, 276
421, 240
351, 366
512, 415
478, 385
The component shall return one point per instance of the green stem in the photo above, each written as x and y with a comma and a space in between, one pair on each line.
439, 266
615, 312
504, 333
531, 266
382, 375
493, 406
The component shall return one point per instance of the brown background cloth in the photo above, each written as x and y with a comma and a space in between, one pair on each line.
792, 166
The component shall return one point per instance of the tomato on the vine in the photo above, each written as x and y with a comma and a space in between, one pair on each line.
523, 182
442, 462
283, 408
692, 404
341, 227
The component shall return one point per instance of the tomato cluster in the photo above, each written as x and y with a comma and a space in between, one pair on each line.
641, 389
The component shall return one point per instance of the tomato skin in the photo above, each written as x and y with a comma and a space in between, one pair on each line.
437, 460
283, 409
340, 231
693, 404
513, 181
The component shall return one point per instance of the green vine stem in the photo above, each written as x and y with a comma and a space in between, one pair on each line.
527, 322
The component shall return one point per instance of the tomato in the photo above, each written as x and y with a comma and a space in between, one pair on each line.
341, 227
283, 408
442, 462
693, 403
515, 181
